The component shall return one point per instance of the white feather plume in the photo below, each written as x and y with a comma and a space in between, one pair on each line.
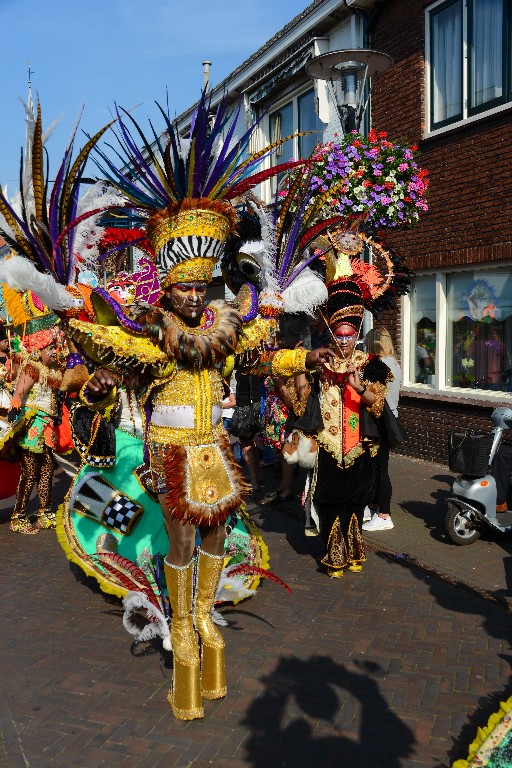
231, 588
158, 627
88, 232
267, 257
21, 275
305, 294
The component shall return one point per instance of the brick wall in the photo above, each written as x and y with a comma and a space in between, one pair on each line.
428, 423
470, 216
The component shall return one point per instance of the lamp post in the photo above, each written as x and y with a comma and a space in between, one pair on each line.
353, 68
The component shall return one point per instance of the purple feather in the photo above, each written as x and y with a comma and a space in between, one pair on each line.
138, 156
291, 241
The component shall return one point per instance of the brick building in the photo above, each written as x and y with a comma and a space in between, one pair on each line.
449, 90
461, 250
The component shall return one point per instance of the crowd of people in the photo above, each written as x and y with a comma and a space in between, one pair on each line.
281, 367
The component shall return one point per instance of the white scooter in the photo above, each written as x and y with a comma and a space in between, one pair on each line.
473, 500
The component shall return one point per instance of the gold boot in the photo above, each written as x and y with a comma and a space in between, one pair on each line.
213, 672
185, 695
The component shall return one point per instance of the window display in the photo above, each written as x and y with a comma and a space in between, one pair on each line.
479, 312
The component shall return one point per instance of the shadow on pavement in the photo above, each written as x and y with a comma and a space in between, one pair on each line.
432, 514
299, 693
496, 623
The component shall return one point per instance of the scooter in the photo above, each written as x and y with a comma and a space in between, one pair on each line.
473, 503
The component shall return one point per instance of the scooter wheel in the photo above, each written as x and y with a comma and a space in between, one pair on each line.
461, 525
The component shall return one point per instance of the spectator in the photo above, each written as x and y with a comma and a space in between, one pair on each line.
275, 415
228, 406
501, 469
378, 342
248, 394
424, 363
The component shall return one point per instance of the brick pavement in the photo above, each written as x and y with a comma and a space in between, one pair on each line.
391, 668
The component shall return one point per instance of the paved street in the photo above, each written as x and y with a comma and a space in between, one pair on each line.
392, 668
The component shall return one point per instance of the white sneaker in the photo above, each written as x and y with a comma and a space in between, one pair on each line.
367, 515
378, 524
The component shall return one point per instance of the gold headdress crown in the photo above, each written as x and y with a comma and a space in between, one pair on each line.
188, 239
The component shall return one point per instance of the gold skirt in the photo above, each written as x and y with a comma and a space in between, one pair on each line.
202, 484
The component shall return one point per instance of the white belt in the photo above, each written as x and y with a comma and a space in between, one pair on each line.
180, 416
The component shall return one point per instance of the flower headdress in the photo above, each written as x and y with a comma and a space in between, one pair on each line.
181, 189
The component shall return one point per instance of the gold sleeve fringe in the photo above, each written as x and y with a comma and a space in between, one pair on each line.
380, 391
288, 362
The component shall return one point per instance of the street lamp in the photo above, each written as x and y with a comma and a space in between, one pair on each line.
353, 68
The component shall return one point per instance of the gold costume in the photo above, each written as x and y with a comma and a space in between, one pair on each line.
191, 461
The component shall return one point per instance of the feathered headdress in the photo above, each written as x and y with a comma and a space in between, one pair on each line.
283, 253
181, 189
41, 226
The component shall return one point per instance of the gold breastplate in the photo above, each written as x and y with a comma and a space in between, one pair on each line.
195, 395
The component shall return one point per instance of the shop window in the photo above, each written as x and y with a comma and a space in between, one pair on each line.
423, 331
469, 55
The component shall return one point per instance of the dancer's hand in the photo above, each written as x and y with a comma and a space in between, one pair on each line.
13, 415
14, 411
101, 383
354, 378
317, 356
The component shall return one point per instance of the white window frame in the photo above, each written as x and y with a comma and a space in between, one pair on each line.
293, 97
467, 118
440, 387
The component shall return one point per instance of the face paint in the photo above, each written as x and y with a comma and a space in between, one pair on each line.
187, 299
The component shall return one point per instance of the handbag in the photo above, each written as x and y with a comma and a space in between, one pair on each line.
246, 420
387, 428
311, 420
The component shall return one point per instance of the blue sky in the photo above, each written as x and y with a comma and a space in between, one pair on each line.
96, 52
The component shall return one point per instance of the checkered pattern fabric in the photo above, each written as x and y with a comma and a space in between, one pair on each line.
100, 461
122, 514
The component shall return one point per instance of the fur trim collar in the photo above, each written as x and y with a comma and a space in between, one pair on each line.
206, 345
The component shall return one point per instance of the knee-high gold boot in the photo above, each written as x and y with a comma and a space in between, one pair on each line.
213, 672
185, 695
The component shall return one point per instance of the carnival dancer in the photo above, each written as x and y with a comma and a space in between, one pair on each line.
33, 406
173, 357
352, 390
198, 482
